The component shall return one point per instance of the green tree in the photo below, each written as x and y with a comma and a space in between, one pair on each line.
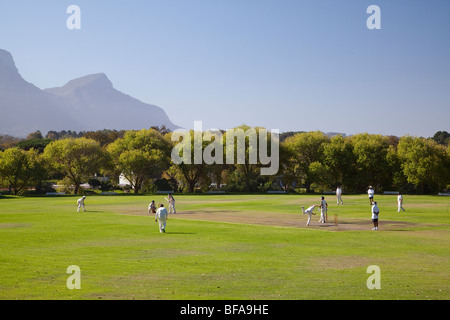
140, 156
7, 141
104, 137
340, 160
37, 144
320, 174
287, 167
424, 163
20, 169
251, 168
189, 169
203, 157
35, 135
370, 151
78, 159
442, 137
303, 149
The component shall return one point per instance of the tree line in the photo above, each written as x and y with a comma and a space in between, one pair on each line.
308, 161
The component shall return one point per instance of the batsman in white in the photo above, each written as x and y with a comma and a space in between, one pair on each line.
80, 203
309, 212
171, 201
323, 210
161, 216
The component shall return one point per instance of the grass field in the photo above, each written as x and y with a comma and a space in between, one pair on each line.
223, 247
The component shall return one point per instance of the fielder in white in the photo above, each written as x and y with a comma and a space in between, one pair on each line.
323, 210
152, 207
309, 212
400, 202
171, 201
375, 213
80, 203
161, 216
339, 195
371, 193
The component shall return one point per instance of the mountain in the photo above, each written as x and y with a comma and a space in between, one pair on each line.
86, 103
25, 108
93, 101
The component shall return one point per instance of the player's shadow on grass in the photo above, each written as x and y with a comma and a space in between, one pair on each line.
168, 232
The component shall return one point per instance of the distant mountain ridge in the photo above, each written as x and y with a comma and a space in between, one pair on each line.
86, 103
93, 101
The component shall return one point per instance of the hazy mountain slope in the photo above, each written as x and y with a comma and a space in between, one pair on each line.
94, 102
25, 108
86, 103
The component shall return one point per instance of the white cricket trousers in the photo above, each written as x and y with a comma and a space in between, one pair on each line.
323, 213
309, 218
172, 208
309, 213
339, 198
81, 205
162, 223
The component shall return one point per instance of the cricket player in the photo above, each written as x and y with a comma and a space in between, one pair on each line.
371, 193
339, 195
171, 201
375, 212
162, 216
152, 207
309, 212
400, 202
80, 203
323, 210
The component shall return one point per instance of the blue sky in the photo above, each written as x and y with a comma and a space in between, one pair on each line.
290, 65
